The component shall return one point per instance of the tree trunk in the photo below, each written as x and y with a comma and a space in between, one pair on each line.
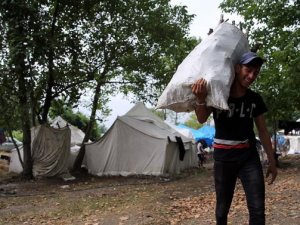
25, 118
19, 70
15, 144
80, 156
50, 81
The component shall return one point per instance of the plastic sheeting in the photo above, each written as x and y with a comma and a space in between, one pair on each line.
205, 132
294, 144
65, 158
213, 59
51, 151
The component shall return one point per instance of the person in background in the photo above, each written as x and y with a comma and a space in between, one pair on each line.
201, 145
235, 154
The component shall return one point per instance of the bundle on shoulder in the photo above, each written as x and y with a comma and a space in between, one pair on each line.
213, 59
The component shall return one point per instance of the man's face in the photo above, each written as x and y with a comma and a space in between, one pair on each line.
246, 74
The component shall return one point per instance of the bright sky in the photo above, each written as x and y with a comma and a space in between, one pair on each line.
207, 15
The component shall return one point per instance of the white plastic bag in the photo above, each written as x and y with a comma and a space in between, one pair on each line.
213, 59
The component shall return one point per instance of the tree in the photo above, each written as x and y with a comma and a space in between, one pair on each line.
193, 122
37, 38
14, 69
59, 49
129, 51
275, 25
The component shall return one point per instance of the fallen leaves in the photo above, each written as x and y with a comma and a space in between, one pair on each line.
195, 207
280, 197
184, 201
123, 218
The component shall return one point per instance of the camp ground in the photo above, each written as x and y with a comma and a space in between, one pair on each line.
138, 143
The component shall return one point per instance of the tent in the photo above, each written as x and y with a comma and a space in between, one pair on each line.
205, 132
77, 135
58, 126
140, 143
50, 149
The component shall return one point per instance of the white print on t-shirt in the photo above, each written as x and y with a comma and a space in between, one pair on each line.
240, 111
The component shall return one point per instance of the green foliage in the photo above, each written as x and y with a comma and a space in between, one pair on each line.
60, 49
18, 134
193, 122
275, 24
81, 121
127, 46
159, 113
77, 119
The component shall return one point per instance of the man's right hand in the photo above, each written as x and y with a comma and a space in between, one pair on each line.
199, 89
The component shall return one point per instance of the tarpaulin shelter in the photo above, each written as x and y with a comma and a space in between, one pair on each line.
50, 150
205, 132
55, 146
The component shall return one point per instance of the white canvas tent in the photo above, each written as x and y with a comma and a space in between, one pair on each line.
139, 143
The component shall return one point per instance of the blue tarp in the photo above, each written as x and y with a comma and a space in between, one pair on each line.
280, 139
205, 132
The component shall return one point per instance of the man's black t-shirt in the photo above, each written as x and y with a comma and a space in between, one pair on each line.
235, 138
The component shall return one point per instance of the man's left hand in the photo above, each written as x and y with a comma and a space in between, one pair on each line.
273, 171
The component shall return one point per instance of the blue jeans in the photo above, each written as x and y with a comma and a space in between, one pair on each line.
251, 175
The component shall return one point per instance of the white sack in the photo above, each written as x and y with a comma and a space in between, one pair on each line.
213, 59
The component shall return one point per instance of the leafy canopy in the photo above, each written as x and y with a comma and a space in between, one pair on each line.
275, 25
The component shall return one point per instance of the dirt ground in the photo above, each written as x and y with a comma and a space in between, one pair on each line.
185, 199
